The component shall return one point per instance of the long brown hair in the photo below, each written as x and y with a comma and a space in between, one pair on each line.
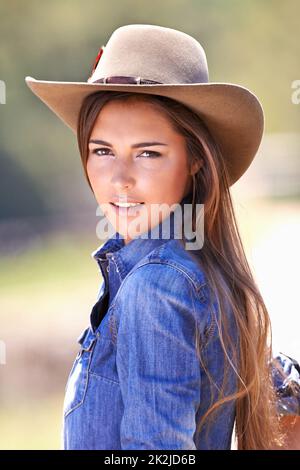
222, 257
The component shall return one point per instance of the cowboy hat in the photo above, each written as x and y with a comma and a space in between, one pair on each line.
152, 59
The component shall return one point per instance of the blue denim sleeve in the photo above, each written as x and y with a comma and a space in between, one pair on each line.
158, 369
286, 379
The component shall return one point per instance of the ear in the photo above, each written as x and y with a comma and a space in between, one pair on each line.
196, 165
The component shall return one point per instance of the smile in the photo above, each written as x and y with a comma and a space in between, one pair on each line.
127, 208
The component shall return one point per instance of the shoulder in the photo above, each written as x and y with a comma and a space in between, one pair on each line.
168, 267
173, 253
167, 282
172, 259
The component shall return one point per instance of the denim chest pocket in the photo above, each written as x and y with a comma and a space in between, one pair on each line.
76, 387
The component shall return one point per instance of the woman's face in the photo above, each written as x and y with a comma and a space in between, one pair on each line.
140, 159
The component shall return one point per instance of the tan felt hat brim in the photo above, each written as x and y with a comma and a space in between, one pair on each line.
232, 113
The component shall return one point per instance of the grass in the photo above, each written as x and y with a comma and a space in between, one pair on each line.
61, 257
31, 425
44, 291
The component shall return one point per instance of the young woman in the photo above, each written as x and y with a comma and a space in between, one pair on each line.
178, 348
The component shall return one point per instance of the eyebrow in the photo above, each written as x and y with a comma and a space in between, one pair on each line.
140, 144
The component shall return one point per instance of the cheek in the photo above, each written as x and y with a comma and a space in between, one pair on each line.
96, 176
173, 185
90, 168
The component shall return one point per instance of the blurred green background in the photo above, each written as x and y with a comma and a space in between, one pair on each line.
48, 280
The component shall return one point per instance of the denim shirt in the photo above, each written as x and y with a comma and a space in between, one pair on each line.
136, 382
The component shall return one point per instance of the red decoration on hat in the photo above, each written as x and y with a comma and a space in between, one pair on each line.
97, 60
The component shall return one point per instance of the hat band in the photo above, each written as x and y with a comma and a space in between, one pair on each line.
127, 80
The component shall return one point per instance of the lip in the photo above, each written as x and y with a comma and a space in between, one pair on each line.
127, 211
124, 199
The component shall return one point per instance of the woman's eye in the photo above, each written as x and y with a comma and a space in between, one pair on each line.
99, 150
154, 154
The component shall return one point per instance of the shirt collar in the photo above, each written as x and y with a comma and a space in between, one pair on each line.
127, 256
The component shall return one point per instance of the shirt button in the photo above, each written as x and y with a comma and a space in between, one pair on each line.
98, 334
107, 269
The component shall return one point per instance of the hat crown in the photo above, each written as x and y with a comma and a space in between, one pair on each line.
152, 52
162, 61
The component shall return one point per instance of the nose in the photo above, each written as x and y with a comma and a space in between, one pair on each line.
122, 176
